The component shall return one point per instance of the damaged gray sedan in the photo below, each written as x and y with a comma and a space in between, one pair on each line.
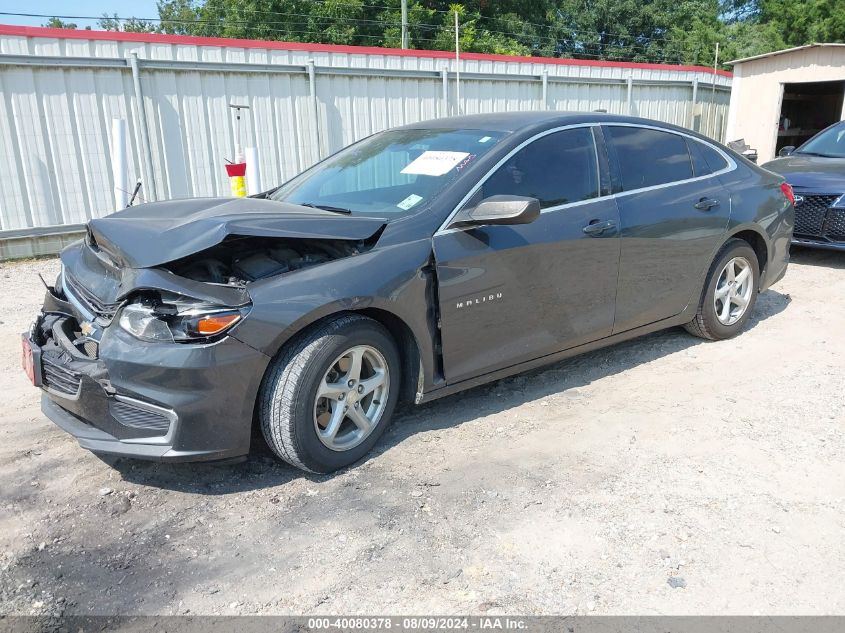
411, 265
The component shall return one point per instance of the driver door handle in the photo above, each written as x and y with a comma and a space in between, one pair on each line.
705, 204
597, 227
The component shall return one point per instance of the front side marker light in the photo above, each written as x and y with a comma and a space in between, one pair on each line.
212, 324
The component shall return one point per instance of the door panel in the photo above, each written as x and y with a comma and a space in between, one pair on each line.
666, 245
672, 220
513, 293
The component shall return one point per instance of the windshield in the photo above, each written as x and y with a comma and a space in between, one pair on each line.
830, 143
393, 173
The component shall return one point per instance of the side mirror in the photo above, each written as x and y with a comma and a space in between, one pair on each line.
501, 210
786, 151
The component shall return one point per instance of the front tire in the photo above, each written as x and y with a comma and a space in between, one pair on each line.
329, 395
729, 294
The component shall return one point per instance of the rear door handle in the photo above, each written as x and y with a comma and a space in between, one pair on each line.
705, 204
597, 227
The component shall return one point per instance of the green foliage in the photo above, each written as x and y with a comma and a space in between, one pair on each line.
130, 25
805, 22
671, 31
56, 23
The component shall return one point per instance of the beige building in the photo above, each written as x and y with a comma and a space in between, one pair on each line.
784, 98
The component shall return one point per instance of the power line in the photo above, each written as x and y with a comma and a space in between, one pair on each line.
637, 39
577, 31
247, 26
571, 45
215, 22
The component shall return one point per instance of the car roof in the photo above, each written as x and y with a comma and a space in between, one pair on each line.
531, 119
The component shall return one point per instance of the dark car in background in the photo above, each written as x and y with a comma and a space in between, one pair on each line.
414, 264
816, 171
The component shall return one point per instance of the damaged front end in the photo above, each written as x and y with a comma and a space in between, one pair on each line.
124, 393
76, 380
239, 260
136, 347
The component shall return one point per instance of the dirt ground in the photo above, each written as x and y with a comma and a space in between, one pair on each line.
661, 476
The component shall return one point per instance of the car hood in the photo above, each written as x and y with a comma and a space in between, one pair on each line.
811, 173
161, 232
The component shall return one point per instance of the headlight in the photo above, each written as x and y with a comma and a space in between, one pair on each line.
168, 323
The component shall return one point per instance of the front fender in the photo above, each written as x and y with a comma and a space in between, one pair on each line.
393, 279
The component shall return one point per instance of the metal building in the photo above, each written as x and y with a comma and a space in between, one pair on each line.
784, 98
61, 89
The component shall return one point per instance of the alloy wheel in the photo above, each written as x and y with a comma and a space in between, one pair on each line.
351, 398
733, 290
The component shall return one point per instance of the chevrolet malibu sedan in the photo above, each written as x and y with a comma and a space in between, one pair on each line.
414, 264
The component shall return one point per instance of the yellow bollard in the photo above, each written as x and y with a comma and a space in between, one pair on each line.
238, 186
237, 180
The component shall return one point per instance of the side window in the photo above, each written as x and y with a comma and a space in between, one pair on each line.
714, 159
699, 163
649, 157
556, 169
705, 159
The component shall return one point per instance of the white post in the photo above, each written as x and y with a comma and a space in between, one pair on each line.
239, 152
253, 179
119, 167
694, 102
545, 79
150, 193
444, 77
315, 108
457, 68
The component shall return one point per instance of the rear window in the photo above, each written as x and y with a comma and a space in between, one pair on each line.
649, 157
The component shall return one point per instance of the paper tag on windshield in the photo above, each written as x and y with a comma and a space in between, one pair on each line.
434, 163
408, 202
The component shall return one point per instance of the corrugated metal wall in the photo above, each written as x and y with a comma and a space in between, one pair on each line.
59, 97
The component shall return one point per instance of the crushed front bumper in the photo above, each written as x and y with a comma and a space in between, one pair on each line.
121, 396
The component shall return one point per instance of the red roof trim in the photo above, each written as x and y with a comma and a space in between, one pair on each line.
157, 38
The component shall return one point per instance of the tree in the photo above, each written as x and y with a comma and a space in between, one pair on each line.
56, 23
674, 31
805, 22
127, 25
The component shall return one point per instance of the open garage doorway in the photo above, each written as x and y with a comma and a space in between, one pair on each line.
808, 108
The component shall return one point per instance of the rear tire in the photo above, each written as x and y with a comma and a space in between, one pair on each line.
729, 294
314, 404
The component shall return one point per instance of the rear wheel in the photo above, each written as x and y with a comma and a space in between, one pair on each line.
329, 396
730, 293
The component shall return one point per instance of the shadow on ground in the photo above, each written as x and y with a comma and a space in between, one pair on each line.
262, 470
817, 257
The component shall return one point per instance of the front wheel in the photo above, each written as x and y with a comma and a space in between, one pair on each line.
328, 397
730, 293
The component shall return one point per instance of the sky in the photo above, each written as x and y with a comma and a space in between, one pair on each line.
96, 8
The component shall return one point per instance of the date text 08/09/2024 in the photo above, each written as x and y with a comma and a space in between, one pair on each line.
418, 623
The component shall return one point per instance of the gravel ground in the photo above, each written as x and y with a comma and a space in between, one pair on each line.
661, 476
